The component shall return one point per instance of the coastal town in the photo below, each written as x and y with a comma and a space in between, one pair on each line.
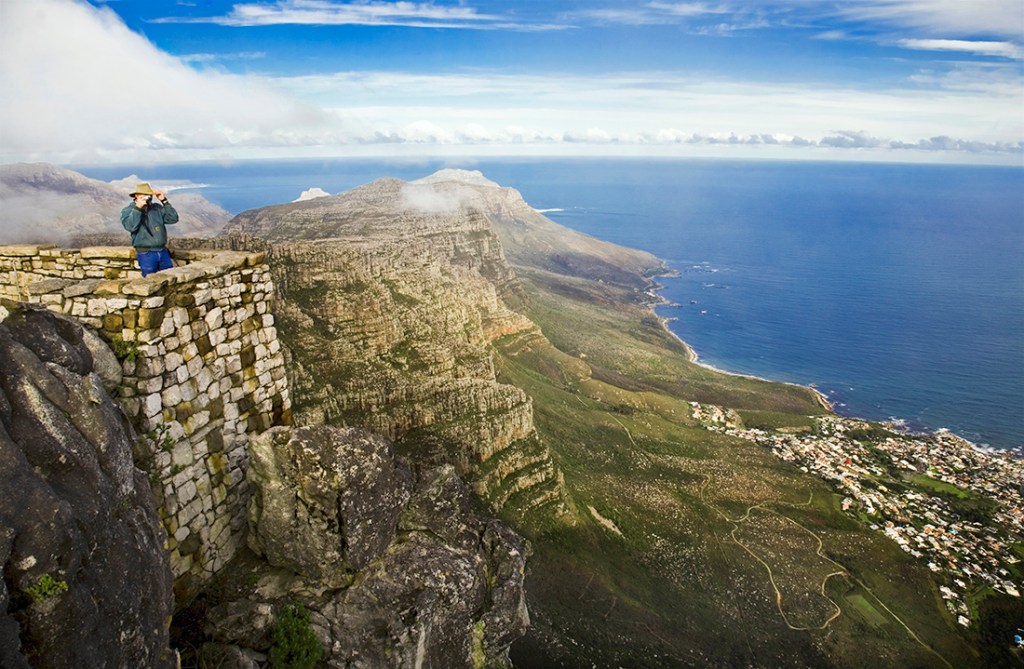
956, 506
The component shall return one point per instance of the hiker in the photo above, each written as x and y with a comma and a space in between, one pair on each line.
145, 220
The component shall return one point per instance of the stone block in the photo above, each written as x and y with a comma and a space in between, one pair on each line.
215, 318
180, 316
203, 345
96, 307
147, 335
201, 297
188, 391
192, 510
152, 405
180, 564
79, 288
24, 250
198, 421
154, 302
187, 492
181, 456
181, 477
149, 285
167, 327
182, 412
171, 396
173, 361
126, 253
47, 286
154, 385
151, 318
131, 405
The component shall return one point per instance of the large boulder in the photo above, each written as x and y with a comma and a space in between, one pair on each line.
396, 569
326, 500
450, 595
86, 582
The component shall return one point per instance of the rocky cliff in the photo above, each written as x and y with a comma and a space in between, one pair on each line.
46, 203
390, 297
385, 565
86, 579
395, 567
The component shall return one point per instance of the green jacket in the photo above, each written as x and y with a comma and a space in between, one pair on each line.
148, 225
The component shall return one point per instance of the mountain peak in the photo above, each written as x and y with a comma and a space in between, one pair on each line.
471, 177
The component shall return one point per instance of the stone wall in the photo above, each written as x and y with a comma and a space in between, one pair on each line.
203, 371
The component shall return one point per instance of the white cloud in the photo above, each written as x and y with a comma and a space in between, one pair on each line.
79, 84
689, 8
81, 87
425, 199
1004, 49
370, 13
982, 105
941, 17
220, 57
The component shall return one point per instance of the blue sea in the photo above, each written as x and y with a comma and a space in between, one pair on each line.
896, 290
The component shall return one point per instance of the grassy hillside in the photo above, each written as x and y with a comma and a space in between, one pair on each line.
691, 547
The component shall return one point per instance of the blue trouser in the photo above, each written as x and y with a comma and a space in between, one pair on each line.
153, 261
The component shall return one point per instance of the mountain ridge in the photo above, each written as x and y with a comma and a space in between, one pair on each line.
42, 202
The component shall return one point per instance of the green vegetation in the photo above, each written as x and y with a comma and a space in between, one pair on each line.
1000, 617
966, 504
46, 588
125, 350
941, 487
725, 551
160, 438
873, 433
864, 608
773, 420
294, 644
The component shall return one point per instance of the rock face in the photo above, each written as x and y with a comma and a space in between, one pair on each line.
326, 500
395, 572
390, 296
46, 203
86, 582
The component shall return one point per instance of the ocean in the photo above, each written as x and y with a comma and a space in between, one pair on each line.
896, 290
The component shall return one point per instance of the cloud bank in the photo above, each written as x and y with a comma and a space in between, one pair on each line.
81, 87
79, 84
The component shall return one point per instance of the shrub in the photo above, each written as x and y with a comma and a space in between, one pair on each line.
295, 646
45, 588
125, 350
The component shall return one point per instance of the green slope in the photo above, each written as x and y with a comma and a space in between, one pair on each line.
690, 547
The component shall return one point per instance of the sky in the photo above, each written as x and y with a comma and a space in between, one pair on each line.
150, 81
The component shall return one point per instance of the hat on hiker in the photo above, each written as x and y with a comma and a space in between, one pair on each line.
142, 189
